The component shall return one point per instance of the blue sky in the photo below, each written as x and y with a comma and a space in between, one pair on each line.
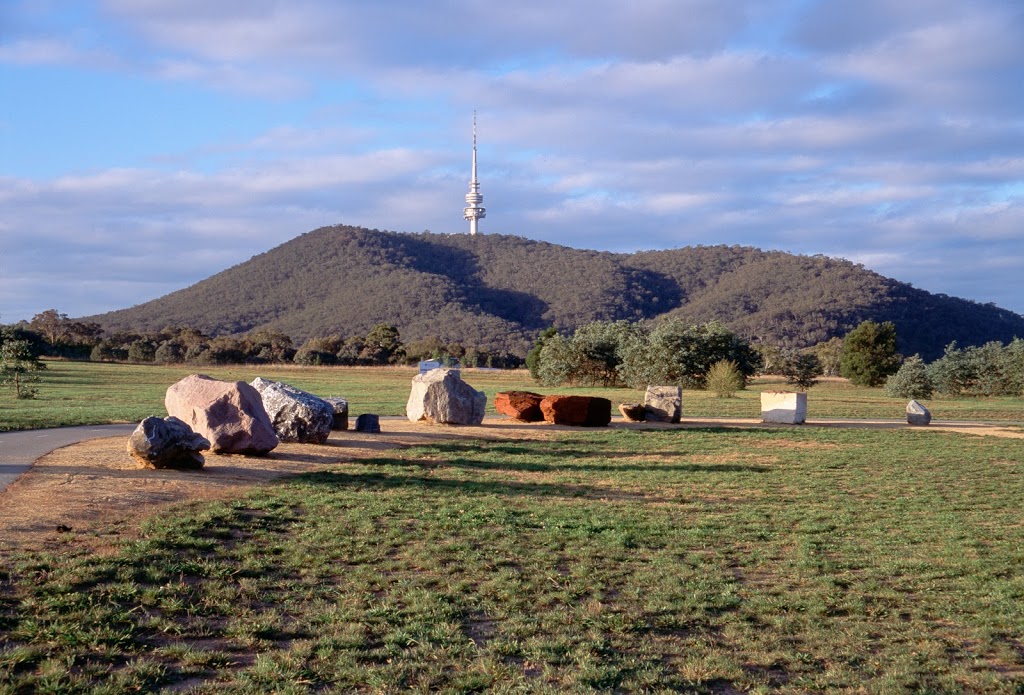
148, 144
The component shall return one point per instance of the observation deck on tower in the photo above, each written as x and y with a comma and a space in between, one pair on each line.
474, 211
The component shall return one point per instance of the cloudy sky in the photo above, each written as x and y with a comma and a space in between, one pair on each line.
147, 144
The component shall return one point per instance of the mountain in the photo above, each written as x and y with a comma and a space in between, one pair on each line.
497, 292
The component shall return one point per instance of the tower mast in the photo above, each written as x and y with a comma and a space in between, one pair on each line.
474, 212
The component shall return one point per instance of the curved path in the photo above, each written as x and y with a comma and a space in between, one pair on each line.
19, 450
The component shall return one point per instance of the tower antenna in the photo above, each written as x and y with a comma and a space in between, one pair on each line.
474, 211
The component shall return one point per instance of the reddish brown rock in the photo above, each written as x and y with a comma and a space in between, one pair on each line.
580, 411
520, 405
229, 414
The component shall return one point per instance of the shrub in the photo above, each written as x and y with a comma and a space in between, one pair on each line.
141, 351
18, 367
801, 369
724, 379
169, 352
911, 381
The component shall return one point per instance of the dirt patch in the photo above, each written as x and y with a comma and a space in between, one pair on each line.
95, 492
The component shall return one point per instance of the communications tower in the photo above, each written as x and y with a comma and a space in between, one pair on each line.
474, 211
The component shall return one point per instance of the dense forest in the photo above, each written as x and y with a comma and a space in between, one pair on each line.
498, 292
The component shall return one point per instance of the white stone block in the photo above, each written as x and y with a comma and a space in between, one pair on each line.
784, 407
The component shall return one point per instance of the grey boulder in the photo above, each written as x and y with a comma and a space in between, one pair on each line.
297, 416
440, 396
663, 403
917, 414
167, 443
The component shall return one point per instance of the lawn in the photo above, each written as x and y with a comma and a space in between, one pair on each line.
78, 393
695, 560
709, 560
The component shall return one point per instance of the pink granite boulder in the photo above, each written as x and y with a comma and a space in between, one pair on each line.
229, 414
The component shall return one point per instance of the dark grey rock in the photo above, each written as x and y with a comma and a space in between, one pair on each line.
340, 406
167, 443
368, 423
297, 416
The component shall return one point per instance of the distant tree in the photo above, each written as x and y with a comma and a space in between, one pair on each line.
169, 352
19, 365
51, 324
349, 351
830, 354
226, 349
557, 361
383, 345
679, 353
801, 369
869, 353
771, 358
319, 351
198, 353
64, 336
429, 348
268, 346
1015, 366
533, 356
141, 351
724, 379
954, 373
992, 369
598, 349
910, 381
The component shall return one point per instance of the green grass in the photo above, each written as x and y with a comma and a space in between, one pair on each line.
79, 393
706, 560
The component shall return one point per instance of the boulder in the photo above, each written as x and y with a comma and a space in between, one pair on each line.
441, 396
229, 414
167, 443
340, 406
368, 423
579, 411
784, 407
633, 412
663, 403
917, 414
297, 416
520, 405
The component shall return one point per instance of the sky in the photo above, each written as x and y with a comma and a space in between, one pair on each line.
148, 144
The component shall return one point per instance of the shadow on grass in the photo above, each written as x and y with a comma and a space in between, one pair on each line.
383, 481
534, 467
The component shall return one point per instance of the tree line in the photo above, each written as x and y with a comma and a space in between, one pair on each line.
52, 334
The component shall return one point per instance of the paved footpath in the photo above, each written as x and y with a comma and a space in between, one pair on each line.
19, 450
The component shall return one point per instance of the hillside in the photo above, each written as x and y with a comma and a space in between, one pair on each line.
496, 292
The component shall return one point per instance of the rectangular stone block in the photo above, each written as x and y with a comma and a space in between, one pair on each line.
784, 407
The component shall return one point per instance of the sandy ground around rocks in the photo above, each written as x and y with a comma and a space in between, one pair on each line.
95, 493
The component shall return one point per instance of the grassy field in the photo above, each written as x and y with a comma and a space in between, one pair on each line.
77, 393
695, 560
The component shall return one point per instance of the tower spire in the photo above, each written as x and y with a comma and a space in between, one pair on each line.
474, 211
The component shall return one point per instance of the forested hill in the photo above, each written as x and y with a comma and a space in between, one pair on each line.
496, 292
